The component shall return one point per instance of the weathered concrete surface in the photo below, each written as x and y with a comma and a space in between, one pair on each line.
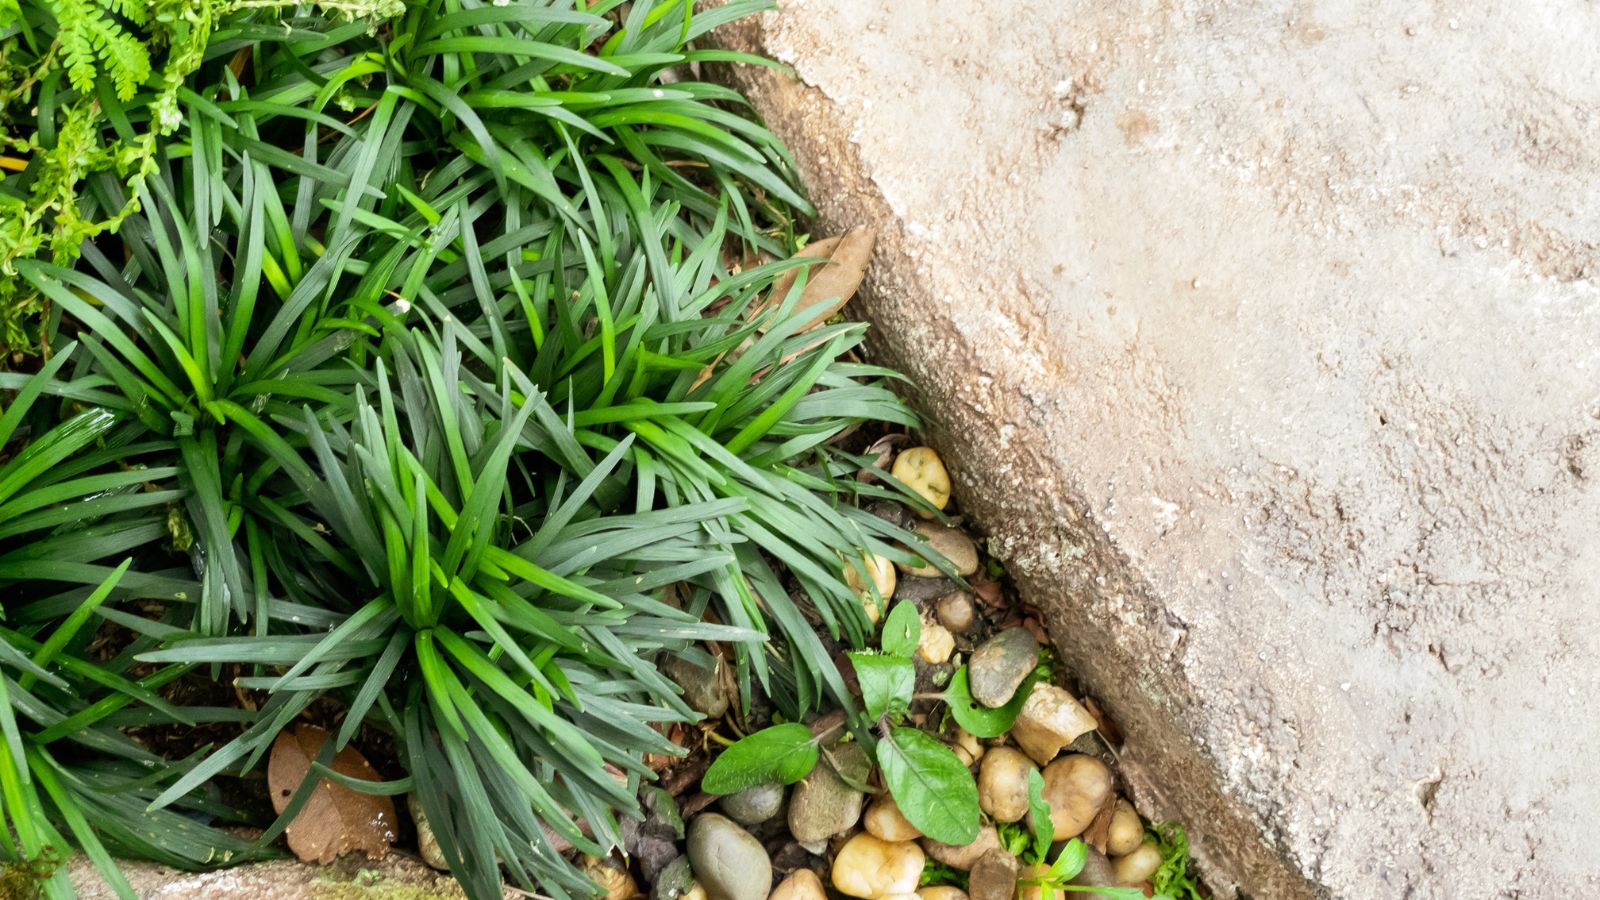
1264, 339
395, 877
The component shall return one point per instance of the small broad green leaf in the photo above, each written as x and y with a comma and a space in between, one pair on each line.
887, 683
933, 789
983, 721
1070, 862
782, 754
1044, 830
902, 630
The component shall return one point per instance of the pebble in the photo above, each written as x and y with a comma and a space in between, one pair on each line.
922, 590
872, 868
937, 643
951, 543
881, 572
727, 861
753, 805
993, 876
614, 881
893, 513
1076, 787
802, 884
1139, 865
1000, 664
1097, 872
921, 469
674, 881
822, 804
956, 611
963, 856
941, 892
427, 842
1003, 784
885, 821
967, 746
1049, 721
1026, 891
1126, 832
703, 688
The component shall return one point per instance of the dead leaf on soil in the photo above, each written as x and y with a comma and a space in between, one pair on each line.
988, 592
1108, 726
335, 819
882, 452
1099, 831
831, 285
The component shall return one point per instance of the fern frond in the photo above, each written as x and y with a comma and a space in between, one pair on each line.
92, 42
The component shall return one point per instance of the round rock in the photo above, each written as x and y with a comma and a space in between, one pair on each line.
803, 884
753, 805
727, 861
993, 876
998, 667
822, 804
956, 611
951, 543
702, 687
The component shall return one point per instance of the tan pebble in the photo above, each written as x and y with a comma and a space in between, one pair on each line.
1048, 721
1076, 787
936, 645
963, 856
1003, 784
1127, 830
884, 820
921, 470
802, 884
1139, 865
881, 572
956, 611
873, 869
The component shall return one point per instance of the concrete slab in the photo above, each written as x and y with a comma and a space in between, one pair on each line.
1265, 341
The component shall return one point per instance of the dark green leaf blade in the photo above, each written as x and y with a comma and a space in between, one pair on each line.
887, 683
782, 754
902, 630
934, 790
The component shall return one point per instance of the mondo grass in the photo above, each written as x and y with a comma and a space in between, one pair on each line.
427, 392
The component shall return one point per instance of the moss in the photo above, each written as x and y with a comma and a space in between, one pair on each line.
370, 884
21, 881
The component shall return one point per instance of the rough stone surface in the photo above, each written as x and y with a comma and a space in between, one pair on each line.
1264, 341
822, 804
1000, 664
993, 877
396, 877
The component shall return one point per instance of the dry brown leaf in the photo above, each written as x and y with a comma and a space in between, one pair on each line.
335, 819
1109, 729
988, 592
1099, 831
882, 451
831, 285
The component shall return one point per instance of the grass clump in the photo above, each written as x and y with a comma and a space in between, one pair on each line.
432, 387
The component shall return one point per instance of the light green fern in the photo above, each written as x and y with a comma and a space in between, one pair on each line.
93, 42
144, 50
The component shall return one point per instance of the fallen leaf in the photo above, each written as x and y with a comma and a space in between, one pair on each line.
988, 592
1036, 628
335, 819
1108, 726
1098, 833
882, 452
831, 285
